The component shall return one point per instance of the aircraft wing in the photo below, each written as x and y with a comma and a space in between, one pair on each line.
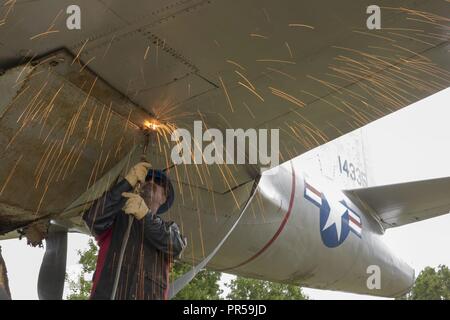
399, 204
311, 69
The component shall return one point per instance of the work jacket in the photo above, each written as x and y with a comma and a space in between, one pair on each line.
151, 248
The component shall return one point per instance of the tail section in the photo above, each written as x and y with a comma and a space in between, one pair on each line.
343, 161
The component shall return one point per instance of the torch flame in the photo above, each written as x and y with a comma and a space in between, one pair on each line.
159, 127
153, 124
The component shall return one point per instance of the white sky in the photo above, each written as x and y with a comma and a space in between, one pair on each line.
411, 144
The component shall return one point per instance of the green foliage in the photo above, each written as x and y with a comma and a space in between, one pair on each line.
431, 284
205, 286
80, 288
248, 289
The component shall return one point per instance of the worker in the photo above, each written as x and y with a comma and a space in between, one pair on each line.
153, 243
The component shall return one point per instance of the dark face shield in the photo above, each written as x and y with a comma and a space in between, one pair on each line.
160, 178
154, 195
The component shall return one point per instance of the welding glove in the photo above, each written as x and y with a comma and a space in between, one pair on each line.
137, 173
135, 205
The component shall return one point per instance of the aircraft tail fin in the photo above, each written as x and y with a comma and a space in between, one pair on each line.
404, 203
343, 161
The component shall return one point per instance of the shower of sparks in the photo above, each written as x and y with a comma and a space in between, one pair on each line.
276, 61
301, 25
256, 35
86, 64
77, 57
50, 28
44, 34
287, 97
245, 79
291, 55
146, 52
10, 4
359, 85
252, 90
226, 94
11, 173
164, 129
236, 64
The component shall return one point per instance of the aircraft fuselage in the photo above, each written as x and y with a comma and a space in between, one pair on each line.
306, 231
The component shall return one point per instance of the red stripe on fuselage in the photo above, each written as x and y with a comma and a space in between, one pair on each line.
277, 233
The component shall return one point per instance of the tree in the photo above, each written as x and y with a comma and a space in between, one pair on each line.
205, 286
247, 289
431, 284
80, 288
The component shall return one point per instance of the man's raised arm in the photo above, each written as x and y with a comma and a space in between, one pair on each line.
101, 215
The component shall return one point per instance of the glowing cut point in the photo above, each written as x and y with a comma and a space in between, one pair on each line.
153, 124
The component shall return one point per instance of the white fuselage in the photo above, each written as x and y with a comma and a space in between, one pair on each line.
304, 230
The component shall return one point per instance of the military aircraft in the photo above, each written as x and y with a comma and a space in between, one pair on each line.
86, 84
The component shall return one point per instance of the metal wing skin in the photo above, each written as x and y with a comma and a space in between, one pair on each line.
73, 102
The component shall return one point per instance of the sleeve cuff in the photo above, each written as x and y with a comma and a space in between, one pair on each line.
121, 187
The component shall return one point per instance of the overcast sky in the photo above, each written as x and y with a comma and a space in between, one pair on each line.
411, 144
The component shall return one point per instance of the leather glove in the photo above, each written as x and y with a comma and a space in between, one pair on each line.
137, 173
135, 205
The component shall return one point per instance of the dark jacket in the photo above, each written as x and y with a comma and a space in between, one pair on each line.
151, 248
